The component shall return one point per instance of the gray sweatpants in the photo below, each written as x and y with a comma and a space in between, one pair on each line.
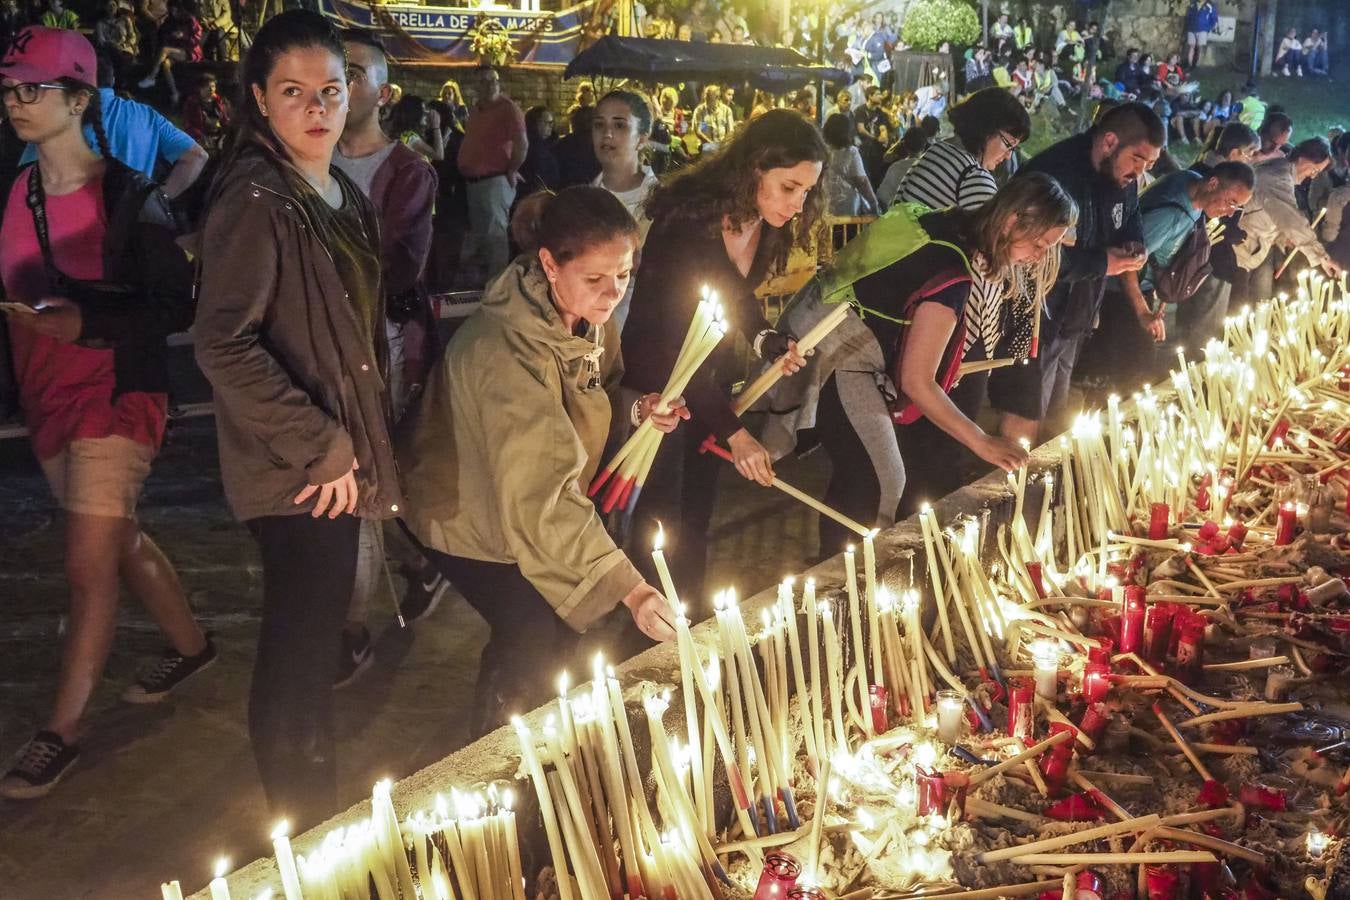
489, 204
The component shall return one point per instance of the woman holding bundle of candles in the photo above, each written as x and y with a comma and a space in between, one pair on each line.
510, 430
910, 273
724, 224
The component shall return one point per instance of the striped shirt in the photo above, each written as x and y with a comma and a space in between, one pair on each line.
946, 174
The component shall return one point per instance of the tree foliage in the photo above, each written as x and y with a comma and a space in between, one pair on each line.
930, 22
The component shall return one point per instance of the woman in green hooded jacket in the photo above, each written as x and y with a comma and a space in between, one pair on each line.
509, 432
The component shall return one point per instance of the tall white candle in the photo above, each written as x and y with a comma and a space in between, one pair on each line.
281, 846
219, 889
870, 595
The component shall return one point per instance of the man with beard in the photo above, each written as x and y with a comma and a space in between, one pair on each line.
402, 186
1100, 169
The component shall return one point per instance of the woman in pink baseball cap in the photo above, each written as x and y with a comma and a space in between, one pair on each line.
87, 333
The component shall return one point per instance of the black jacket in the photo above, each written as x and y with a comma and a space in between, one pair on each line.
1108, 216
146, 290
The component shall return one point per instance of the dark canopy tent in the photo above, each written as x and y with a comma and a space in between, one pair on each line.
771, 69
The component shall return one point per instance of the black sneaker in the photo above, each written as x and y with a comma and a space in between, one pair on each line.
354, 658
41, 764
173, 669
425, 590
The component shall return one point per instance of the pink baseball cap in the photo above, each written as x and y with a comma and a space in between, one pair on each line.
46, 54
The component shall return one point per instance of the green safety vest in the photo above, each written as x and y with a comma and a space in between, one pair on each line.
886, 241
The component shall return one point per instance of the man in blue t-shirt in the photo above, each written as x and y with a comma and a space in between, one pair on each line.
139, 137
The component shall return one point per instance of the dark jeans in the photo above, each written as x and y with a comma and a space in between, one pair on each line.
1120, 353
680, 494
1058, 359
309, 567
935, 462
1200, 318
528, 645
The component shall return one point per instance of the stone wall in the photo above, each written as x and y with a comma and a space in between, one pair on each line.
528, 87
1154, 25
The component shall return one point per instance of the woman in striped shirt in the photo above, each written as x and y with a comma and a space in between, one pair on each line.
959, 171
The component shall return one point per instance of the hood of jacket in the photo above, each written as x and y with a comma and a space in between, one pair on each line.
519, 302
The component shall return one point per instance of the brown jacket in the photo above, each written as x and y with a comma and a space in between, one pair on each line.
299, 394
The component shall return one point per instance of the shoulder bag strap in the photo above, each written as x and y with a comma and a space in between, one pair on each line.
36, 205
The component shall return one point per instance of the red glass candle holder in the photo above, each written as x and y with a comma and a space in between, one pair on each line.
1055, 764
1158, 632
1088, 886
1164, 883
806, 892
931, 791
1237, 533
1191, 647
1284, 525
878, 697
1103, 651
1132, 619
1258, 797
1075, 808
779, 876
1037, 578
1208, 531
1159, 515
1021, 709
1096, 681
1093, 723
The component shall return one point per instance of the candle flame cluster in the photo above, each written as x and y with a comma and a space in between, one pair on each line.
846, 682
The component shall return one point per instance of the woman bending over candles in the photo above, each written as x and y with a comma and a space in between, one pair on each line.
290, 334
724, 224
910, 275
497, 455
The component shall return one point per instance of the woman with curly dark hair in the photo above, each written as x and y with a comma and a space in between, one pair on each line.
724, 224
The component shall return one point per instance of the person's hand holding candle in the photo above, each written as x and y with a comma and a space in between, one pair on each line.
781, 347
663, 422
651, 612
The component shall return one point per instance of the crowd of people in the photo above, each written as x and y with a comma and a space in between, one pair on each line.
350, 436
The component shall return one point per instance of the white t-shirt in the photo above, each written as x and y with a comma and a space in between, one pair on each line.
635, 200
